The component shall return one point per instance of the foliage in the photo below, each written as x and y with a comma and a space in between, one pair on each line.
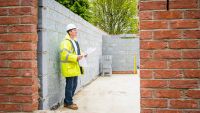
115, 16
80, 7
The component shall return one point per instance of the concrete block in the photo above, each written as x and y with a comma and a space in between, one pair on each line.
54, 19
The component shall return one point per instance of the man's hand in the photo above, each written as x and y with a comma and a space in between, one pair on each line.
79, 57
85, 55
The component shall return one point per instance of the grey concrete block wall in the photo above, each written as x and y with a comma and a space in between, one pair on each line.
53, 19
122, 51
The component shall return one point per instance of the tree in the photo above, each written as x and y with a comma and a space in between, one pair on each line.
80, 7
115, 16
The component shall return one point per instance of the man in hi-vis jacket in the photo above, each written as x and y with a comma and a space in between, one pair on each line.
70, 54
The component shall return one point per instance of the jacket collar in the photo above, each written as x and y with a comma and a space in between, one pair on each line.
68, 37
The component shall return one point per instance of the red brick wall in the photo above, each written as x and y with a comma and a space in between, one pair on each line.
18, 63
170, 53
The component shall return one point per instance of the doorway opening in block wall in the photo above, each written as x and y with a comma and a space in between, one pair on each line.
124, 82
95, 92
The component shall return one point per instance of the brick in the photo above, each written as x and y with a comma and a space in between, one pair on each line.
168, 111
3, 29
153, 84
20, 11
192, 14
183, 84
145, 93
14, 11
145, 54
18, 46
27, 11
2, 63
28, 55
183, 104
153, 44
34, 88
28, 20
34, 107
21, 81
167, 34
154, 103
4, 98
191, 34
21, 99
146, 25
3, 81
192, 73
167, 15
168, 94
17, 72
152, 5
28, 72
181, 24
167, 74
9, 20
22, 28
8, 72
22, 64
10, 107
193, 94
183, 64
3, 12
192, 111
199, 4
27, 107
144, 15
146, 35
35, 97
9, 2
22, 46
146, 110
122, 72
18, 37
181, 44
155, 64
15, 90
167, 54
9, 55
35, 11
145, 74
29, 3
3, 46
25, 55
183, 4
194, 54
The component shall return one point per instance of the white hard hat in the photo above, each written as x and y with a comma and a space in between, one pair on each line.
70, 26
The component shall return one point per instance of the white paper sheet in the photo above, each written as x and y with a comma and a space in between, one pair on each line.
90, 50
83, 62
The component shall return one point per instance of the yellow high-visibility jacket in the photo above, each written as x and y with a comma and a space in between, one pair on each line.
68, 59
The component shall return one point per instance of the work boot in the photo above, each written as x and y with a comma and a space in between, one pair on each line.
72, 106
65, 105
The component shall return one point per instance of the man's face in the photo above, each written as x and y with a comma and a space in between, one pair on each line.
73, 33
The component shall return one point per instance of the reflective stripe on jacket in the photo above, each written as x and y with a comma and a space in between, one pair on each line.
68, 59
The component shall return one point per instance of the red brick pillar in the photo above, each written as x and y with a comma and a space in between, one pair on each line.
18, 63
170, 53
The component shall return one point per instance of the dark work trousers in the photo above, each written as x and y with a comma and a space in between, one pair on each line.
71, 84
